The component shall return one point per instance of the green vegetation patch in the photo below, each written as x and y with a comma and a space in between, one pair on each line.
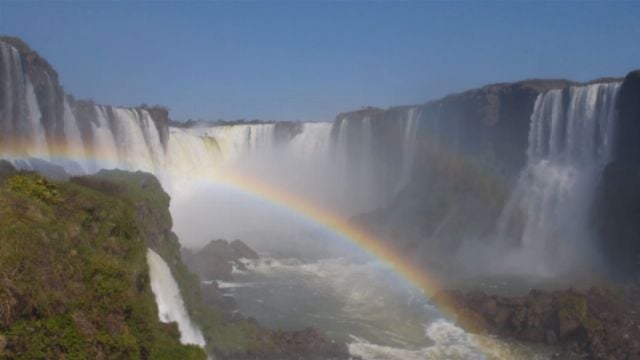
143, 192
74, 280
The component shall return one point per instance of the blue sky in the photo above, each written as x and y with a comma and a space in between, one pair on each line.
310, 60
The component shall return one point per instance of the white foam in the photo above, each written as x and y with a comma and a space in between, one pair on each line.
170, 304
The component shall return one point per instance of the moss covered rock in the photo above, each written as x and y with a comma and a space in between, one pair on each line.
74, 280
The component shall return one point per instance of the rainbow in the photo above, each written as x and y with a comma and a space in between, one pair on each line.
337, 224
411, 271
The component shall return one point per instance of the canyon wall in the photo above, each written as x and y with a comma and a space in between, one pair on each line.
507, 171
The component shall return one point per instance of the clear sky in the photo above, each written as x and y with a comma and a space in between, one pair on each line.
286, 60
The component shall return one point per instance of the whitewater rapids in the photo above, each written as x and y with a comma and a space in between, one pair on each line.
364, 303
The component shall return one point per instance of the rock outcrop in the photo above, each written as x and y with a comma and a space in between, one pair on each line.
598, 323
627, 144
217, 259
617, 219
617, 206
229, 335
74, 279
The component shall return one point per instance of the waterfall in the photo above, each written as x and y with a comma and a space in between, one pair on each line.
170, 304
239, 141
12, 75
313, 142
409, 141
570, 142
335, 164
190, 155
38, 136
104, 142
75, 146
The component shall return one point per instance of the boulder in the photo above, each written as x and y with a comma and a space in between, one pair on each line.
242, 250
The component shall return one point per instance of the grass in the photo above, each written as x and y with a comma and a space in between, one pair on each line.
74, 278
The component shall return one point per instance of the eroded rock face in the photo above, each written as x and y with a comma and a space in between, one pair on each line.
601, 323
616, 207
628, 104
617, 218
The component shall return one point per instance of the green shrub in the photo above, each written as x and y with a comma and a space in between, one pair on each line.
34, 185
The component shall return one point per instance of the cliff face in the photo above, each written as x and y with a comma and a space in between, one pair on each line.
473, 146
628, 146
439, 173
617, 205
470, 147
74, 277
75, 280
596, 324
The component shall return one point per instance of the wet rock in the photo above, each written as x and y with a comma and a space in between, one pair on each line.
597, 324
216, 260
242, 250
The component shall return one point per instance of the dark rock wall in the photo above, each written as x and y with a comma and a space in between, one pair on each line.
470, 148
628, 144
617, 206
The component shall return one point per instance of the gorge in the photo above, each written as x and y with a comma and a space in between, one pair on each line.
535, 179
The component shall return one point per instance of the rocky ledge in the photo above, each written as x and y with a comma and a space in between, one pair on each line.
599, 323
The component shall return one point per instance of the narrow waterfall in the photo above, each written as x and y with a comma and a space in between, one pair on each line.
170, 304
104, 141
22, 132
409, 141
570, 141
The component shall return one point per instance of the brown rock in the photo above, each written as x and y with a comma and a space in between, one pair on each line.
241, 250
550, 337
502, 317
567, 325
3, 344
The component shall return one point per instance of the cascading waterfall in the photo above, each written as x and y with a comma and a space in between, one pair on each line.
21, 129
409, 141
75, 146
570, 142
237, 141
170, 304
314, 141
352, 155
39, 139
334, 165
190, 155
104, 142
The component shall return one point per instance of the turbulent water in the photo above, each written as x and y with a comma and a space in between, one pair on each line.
170, 305
570, 142
364, 303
